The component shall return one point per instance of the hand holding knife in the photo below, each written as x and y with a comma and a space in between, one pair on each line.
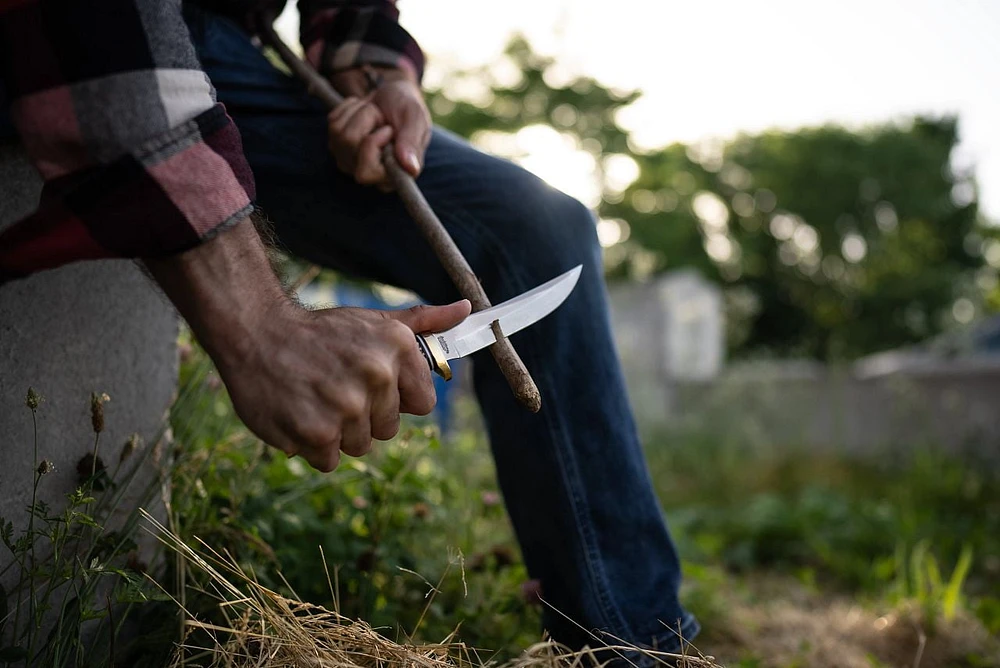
476, 332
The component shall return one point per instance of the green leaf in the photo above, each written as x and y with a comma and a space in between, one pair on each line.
917, 572
953, 591
7, 533
84, 519
93, 613
935, 582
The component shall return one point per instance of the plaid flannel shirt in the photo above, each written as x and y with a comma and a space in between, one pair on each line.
139, 159
339, 34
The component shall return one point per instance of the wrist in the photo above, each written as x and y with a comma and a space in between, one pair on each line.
356, 81
227, 292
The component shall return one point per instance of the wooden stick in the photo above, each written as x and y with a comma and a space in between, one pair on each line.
430, 225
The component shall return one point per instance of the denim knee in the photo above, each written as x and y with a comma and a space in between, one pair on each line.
558, 234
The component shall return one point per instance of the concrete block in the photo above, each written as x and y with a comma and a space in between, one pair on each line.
90, 327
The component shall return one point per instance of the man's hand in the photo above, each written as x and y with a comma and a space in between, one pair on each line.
313, 383
316, 383
366, 121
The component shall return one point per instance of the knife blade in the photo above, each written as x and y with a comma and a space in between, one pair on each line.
476, 332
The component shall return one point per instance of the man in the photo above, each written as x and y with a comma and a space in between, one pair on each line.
112, 103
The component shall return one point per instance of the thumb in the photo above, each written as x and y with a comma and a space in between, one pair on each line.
409, 136
422, 319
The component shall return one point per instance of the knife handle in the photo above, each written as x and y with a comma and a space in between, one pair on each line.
434, 354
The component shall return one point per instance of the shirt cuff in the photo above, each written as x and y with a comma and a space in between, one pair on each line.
344, 38
169, 195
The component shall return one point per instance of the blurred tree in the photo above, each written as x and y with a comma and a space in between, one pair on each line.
829, 243
584, 108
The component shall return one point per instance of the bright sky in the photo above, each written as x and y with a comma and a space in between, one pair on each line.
711, 68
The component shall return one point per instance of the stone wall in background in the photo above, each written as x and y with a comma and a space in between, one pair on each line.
949, 404
667, 330
90, 327
670, 335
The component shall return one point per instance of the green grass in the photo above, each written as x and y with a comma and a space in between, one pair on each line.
837, 520
922, 529
765, 537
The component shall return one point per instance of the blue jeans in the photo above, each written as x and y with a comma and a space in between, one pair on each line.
573, 476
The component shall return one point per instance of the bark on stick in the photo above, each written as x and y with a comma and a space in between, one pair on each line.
430, 225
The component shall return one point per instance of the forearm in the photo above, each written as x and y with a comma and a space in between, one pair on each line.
225, 289
123, 178
312, 383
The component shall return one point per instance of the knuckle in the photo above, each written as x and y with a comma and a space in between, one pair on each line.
373, 112
379, 371
352, 137
314, 435
352, 405
387, 428
400, 334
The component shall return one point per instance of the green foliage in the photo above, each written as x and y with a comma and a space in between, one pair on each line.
585, 107
829, 242
918, 578
841, 242
883, 530
72, 576
418, 514
413, 516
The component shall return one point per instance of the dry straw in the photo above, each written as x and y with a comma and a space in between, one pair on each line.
264, 628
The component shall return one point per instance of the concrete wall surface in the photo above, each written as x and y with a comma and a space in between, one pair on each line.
950, 404
666, 330
89, 327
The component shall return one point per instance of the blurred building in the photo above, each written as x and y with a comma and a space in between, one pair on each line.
671, 337
669, 330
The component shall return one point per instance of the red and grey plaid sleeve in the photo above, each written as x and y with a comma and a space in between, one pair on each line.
341, 34
114, 111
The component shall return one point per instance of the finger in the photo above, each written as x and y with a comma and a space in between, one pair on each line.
432, 318
324, 461
357, 439
410, 140
336, 123
385, 413
416, 387
361, 123
321, 455
346, 138
369, 168
286, 445
337, 118
313, 437
357, 121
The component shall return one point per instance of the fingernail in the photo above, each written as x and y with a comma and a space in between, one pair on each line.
412, 161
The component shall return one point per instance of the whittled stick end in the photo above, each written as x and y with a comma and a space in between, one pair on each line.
513, 369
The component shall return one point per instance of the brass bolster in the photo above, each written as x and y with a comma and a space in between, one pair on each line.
440, 362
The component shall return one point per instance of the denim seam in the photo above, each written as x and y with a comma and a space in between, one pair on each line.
567, 458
